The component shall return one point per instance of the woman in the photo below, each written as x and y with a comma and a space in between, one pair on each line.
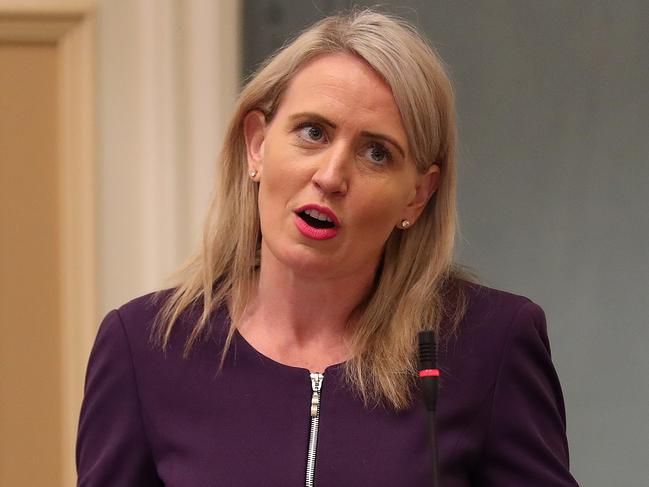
286, 354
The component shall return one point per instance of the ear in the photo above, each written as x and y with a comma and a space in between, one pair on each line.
254, 131
425, 186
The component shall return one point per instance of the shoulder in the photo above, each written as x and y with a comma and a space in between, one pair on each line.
487, 299
123, 335
497, 327
143, 310
141, 317
133, 319
127, 352
503, 352
497, 313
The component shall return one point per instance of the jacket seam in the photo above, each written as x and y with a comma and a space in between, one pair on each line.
505, 348
137, 389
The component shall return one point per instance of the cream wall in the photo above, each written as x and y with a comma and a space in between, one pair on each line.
168, 74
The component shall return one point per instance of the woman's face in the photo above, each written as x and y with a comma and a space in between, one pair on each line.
335, 172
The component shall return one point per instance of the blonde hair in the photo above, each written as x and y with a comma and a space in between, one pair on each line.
417, 283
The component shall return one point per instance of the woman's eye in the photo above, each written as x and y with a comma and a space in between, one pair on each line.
311, 132
379, 154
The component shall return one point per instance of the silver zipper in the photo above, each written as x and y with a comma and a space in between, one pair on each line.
316, 386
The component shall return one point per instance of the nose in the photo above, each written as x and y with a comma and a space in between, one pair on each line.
332, 173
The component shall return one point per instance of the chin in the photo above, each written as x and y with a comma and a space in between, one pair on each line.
300, 258
309, 262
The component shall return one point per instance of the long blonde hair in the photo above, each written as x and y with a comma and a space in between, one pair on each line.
417, 283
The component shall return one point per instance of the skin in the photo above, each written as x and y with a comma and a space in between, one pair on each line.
308, 288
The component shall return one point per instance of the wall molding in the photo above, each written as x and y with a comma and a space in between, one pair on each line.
36, 28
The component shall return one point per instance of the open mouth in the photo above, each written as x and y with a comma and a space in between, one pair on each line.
316, 219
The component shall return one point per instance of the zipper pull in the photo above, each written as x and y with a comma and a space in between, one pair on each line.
316, 385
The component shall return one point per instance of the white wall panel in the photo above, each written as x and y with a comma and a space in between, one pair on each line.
168, 76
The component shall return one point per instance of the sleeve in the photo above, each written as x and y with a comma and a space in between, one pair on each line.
112, 447
526, 442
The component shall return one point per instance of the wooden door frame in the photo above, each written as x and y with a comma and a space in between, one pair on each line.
71, 29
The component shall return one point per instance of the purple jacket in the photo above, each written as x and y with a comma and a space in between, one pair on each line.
148, 419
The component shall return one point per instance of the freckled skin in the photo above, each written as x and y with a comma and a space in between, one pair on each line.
335, 167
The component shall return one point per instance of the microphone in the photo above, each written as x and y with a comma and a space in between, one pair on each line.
429, 383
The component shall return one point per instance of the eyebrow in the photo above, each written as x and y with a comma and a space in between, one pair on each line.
324, 121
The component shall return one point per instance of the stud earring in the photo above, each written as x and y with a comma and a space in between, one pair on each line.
405, 223
252, 173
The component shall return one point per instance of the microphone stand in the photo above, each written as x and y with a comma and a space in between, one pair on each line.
429, 382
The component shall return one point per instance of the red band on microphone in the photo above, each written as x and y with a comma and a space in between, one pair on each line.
429, 373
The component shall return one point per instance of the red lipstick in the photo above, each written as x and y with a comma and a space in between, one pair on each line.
311, 231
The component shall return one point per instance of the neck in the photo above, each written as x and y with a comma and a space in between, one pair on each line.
293, 315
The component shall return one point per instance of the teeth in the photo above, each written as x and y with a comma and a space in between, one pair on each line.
316, 214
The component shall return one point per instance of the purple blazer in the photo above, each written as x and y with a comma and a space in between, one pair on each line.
150, 419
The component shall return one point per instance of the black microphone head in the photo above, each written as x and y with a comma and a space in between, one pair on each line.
427, 350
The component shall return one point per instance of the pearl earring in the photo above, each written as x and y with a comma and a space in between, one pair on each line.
405, 223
